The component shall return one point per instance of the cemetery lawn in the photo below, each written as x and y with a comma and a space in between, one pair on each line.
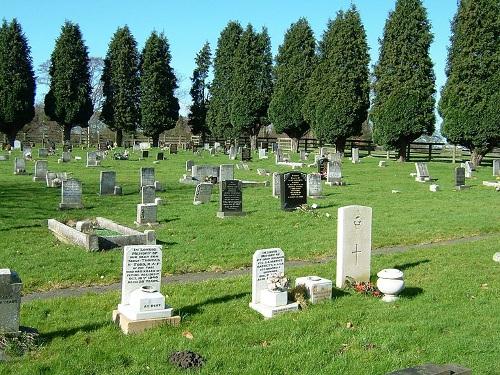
449, 313
195, 240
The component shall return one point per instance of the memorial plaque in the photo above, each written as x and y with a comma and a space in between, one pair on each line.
230, 198
107, 182
459, 176
10, 301
322, 167
246, 154
173, 148
202, 193
147, 176
264, 263
71, 194
293, 190
141, 267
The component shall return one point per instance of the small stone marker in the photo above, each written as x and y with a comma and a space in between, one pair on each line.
148, 194
173, 148
230, 199
43, 153
334, 173
159, 156
293, 190
422, 172
41, 167
322, 167
147, 176
314, 185
382, 163
434, 187
92, 159
267, 262
202, 193
496, 167
142, 305
226, 172
10, 301
459, 178
71, 194
354, 243
189, 165
147, 214
66, 156
355, 155
107, 182
318, 289
276, 184
19, 166
246, 154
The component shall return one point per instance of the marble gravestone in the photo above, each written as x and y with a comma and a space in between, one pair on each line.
226, 172
469, 167
232, 153
27, 152
148, 194
107, 182
496, 167
41, 167
147, 176
142, 305
314, 185
422, 172
354, 242
262, 153
265, 263
302, 155
337, 157
276, 184
71, 194
10, 301
230, 199
355, 155
293, 186
334, 173
19, 166
202, 193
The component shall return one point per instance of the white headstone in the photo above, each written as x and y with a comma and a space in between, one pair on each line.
333, 173
355, 155
354, 230
17, 145
422, 172
41, 167
469, 167
314, 185
262, 153
202, 193
276, 184
496, 167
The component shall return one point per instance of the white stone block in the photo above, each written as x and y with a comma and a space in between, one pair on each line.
434, 188
318, 289
273, 298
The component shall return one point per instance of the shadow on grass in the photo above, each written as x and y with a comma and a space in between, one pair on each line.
166, 243
20, 227
196, 309
320, 206
411, 292
64, 333
405, 266
169, 220
339, 293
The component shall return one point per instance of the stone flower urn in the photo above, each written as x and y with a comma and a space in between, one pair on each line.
390, 282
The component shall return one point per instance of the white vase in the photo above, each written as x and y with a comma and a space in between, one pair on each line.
390, 282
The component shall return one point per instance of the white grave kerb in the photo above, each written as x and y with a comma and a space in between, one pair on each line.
354, 229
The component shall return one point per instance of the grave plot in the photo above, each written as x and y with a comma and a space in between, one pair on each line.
100, 234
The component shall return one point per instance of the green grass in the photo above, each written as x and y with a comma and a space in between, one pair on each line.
449, 313
195, 240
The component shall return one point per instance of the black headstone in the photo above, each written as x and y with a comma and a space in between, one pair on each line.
231, 197
459, 176
323, 167
246, 154
145, 153
293, 187
173, 148
159, 156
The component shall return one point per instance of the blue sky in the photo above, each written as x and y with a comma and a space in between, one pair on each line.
189, 23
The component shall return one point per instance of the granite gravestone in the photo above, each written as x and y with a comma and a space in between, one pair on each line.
354, 242
323, 167
71, 194
202, 193
189, 165
314, 185
230, 199
459, 177
10, 301
66, 156
41, 167
107, 182
160, 156
226, 172
92, 159
148, 194
19, 166
43, 153
147, 214
293, 186
173, 148
246, 154
147, 176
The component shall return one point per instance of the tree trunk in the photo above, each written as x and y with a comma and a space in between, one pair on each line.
476, 157
119, 137
156, 140
253, 142
295, 145
67, 133
340, 145
402, 153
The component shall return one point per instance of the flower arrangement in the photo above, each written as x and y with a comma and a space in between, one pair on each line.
277, 282
366, 288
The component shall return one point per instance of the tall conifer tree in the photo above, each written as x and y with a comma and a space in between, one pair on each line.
403, 105
17, 80
294, 65
470, 99
198, 110
221, 89
159, 106
120, 79
68, 101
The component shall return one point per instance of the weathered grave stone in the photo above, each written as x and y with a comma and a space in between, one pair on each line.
318, 289
147, 176
382, 163
322, 164
148, 194
43, 153
276, 184
333, 173
66, 156
142, 305
19, 166
355, 155
337, 157
262, 153
93, 159
189, 165
302, 155
201, 172
314, 185
173, 148
147, 213
71, 194
459, 178
160, 156
246, 154
354, 244
144, 146
206, 146
107, 182
266, 263
293, 190
202, 193
226, 172
230, 199
496, 167
41, 167
17, 145
10, 301
232, 153
422, 172
27, 152
468, 169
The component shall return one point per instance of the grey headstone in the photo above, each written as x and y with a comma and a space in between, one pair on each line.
107, 182
496, 167
147, 214
147, 176
202, 193
41, 167
314, 185
43, 153
189, 165
148, 194
71, 194
66, 156
226, 172
276, 184
10, 301
334, 173
92, 159
459, 176
19, 166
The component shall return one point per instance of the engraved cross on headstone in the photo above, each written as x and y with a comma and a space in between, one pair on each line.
356, 252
